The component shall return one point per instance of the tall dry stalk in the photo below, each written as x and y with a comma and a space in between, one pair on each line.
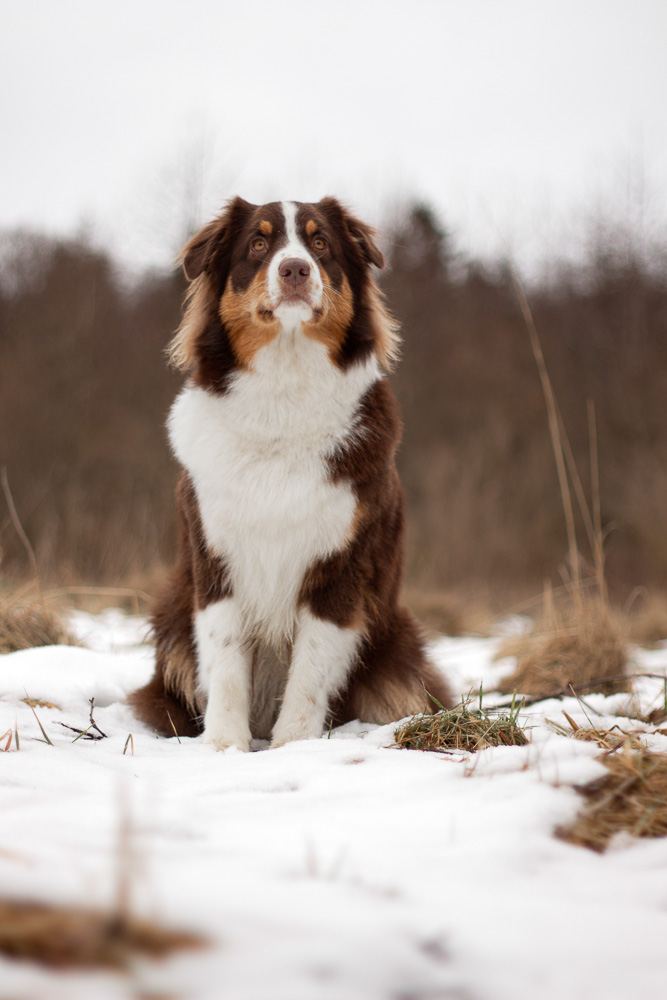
16, 521
555, 430
598, 538
581, 642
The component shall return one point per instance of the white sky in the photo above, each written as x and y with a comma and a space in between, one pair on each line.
509, 116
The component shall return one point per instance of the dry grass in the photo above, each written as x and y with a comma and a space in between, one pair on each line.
607, 739
24, 625
579, 642
460, 728
69, 937
447, 613
132, 599
631, 797
648, 622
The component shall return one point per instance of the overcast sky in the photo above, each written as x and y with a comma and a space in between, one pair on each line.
510, 116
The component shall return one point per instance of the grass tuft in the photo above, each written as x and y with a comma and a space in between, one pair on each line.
577, 643
26, 625
461, 728
607, 739
631, 797
71, 937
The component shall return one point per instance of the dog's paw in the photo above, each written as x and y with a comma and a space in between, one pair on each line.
226, 742
289, 732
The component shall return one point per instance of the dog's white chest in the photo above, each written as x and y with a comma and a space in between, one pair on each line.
258, 460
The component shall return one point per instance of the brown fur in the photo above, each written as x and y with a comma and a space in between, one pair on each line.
356, 587
386, 329
182, 349
331, 327
250, 326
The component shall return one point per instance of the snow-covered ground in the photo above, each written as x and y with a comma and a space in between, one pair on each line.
333, 869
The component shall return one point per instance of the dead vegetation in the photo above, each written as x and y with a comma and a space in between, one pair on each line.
28, 623
461, 728
579, 640
70, 937
580, 643
607, 739
447, 612
648, 620
631, 797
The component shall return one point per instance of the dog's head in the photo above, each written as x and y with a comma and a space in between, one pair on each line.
257, 271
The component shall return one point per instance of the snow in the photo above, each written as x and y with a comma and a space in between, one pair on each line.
332, 869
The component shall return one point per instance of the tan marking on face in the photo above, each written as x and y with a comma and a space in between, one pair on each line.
249, 321
311, 227
329, 324
265, 227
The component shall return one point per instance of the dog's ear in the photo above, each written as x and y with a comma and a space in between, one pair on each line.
207, 246
365, 236
362, 235
198, 251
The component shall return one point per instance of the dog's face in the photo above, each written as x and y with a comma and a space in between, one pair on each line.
285, 265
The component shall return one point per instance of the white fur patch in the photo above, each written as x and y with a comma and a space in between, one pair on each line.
258, 459
290, 313
224, 666
321, 660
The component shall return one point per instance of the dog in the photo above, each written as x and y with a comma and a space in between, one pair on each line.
281, 615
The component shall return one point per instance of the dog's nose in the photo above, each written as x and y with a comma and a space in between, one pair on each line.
294, 271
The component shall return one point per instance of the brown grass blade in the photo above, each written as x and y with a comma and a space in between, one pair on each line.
44, 733
173, 726
18, 527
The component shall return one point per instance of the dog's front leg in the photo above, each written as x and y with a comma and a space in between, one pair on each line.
322, 657
224, 667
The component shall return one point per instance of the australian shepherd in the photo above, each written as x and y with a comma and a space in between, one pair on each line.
281, 615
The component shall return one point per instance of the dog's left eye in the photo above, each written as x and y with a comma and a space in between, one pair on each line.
319, 243
259, 245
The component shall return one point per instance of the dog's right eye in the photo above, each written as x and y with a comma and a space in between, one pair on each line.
259, 245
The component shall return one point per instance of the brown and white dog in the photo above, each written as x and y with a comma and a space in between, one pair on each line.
281, 614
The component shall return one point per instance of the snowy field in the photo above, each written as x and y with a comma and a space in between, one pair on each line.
333, 869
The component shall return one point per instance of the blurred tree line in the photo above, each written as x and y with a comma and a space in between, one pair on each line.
84, 391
